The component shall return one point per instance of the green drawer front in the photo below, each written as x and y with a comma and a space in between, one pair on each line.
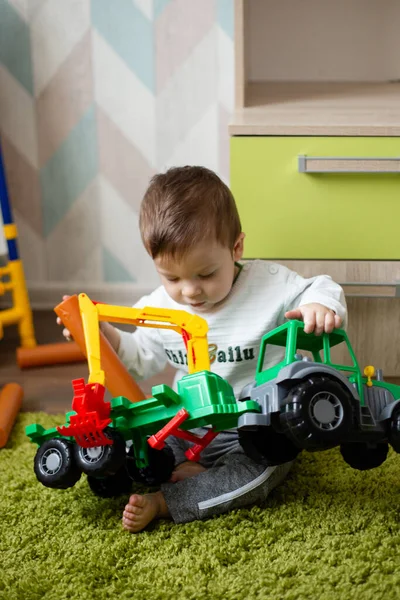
288, 214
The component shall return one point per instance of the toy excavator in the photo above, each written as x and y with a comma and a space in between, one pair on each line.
116, 442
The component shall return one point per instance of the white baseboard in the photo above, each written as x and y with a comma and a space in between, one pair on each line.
46, 295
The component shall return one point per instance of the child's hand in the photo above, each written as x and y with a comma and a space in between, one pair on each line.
111, 333
66, 332
317, 318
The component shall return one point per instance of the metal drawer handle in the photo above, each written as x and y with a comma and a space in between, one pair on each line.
372, 289
347, 164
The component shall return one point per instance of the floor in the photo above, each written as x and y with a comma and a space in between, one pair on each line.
49, 389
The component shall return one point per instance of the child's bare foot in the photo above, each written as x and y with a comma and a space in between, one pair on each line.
185, 470
140, 510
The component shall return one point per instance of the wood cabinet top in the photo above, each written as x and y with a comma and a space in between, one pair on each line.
359, 109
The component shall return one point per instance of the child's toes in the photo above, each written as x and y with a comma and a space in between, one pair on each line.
132, 513
127, 518
136, 500
128, 524
132, 510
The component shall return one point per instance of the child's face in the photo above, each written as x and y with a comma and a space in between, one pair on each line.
202, 278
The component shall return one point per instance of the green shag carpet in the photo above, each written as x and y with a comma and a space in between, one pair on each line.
328, 532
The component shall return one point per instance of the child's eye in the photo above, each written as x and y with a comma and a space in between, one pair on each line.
208, 276
172, 279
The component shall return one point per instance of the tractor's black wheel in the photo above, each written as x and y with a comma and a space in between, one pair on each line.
267, 445
54, 464
317, 413
111, 486
362, 456
160, 467
102, 461
394, 429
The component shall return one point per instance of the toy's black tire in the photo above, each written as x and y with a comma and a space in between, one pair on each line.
359, 455
317, 413
265, 445
102, 461
394, 429
111, 486
159, 470
55, 465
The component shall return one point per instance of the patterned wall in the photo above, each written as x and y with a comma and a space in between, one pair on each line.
95, 97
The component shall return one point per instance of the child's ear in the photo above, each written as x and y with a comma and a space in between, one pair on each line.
238, 248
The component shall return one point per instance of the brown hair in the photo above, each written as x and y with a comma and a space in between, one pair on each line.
185, 206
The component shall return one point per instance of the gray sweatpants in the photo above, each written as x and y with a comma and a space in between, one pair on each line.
232, 479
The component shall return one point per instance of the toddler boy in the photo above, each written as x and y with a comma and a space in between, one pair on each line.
190, 227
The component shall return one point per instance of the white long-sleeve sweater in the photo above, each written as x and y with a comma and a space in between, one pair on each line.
257, 302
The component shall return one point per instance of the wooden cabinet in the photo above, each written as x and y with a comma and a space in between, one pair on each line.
316, 128
315, 148
325, 212
316, 67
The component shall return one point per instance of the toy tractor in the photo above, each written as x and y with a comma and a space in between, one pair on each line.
308, 402
116, 442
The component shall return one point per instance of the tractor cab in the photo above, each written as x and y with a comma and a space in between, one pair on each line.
296, 345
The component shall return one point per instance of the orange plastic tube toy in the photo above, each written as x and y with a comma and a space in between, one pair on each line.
49, 354
118, 380
10, 403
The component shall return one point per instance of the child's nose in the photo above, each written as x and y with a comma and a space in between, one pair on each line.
191, 290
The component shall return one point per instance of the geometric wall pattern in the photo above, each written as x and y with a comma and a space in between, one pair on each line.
96, 97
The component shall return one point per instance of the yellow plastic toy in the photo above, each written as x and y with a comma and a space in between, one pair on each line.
192, 328
12, 279
369, 372
20, 313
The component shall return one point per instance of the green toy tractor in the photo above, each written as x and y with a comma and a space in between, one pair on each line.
309, 402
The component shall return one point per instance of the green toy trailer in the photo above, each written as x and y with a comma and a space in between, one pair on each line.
125, 441
309, 402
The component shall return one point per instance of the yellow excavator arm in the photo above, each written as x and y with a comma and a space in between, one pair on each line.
192, 328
